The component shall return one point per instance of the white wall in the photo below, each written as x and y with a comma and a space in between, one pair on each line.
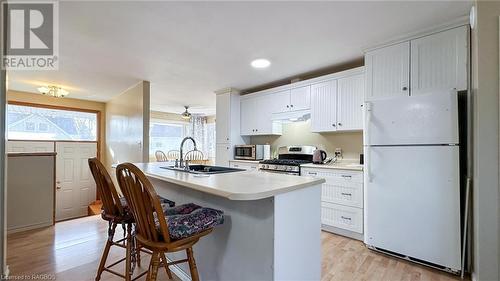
299, 133
127, 126
485, 84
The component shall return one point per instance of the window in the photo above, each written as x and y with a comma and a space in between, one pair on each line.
167, 135
29, 126
43, 127
38, 123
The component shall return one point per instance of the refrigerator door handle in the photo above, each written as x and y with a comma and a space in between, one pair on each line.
368, 113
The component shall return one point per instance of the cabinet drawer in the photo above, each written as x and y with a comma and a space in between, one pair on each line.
348, 218
246, 166
348, 194
332, 176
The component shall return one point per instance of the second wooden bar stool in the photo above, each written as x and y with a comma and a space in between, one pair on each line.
163, 231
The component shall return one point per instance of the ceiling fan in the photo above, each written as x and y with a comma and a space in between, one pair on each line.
186, 114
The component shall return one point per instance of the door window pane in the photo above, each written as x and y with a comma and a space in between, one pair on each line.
37, 123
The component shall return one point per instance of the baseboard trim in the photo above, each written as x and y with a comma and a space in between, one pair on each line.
28, 227
179, 272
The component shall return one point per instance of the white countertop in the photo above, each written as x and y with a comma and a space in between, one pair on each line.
246, 161
244, 185
341, 165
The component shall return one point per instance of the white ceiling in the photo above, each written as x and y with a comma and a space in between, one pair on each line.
190, 49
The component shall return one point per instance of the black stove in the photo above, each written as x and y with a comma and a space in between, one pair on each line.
289, 160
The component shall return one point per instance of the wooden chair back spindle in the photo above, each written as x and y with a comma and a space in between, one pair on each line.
173, 154
160, 156
194, 155
144, 203
106, 189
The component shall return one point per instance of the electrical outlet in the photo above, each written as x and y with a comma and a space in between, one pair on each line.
338, 152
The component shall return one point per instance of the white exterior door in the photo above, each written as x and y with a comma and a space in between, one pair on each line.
324, 106
350, 98
439, 62
388, 72
300, 98
75, 185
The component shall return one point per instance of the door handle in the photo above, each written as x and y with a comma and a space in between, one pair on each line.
58, 187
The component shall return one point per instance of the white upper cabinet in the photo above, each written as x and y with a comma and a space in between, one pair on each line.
248, 118
300, 98
439, 62
256, 116
324, 106
388, 72
350, 99
281, 101
223, 117
290, 100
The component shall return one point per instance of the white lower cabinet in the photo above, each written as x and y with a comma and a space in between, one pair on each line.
341, 200
244, 165
348, 218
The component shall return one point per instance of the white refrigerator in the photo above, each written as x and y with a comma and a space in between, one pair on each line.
412, 179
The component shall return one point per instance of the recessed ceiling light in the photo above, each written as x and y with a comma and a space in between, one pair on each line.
260, 63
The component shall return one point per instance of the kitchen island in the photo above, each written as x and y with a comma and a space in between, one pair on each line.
271, 229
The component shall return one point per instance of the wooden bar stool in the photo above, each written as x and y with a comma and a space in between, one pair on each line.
163, 231
116, 211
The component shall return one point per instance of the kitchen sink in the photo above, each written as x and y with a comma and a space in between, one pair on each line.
204, 169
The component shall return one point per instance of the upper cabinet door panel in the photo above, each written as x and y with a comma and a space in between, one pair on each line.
324, 106
439, 62
300, 98
350, 97
387, 72
223, 118
247, 117
280, 101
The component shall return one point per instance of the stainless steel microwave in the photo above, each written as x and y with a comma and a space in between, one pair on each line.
249, 152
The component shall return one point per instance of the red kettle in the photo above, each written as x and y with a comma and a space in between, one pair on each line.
319, 156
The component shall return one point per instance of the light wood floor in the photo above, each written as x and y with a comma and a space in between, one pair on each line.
71, 251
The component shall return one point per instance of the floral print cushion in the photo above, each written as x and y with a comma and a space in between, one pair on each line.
189, 219
181, 209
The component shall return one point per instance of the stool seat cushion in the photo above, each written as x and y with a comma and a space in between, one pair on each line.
189, 219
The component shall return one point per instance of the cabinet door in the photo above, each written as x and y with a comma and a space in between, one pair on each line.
223, 154
350, 97
388, 72
247, 116
280, 101
262, 115
439, 62
324, 106
223, 118
300, 98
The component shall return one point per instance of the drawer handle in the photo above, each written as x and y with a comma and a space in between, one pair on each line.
345, 218
346, 176
348, 194
312, 173
235, 165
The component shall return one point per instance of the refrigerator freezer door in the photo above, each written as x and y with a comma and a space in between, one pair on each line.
423, 119
412, 202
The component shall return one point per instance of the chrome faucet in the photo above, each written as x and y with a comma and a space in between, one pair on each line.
181, 161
